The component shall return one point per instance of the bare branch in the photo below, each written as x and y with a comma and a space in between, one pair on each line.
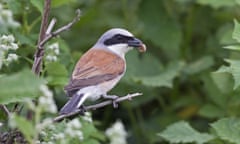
51, 25
63, 28
96, 106
36, 68
46, 34
5, 109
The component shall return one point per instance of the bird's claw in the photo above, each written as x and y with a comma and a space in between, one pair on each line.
115, 104
82, 109
113, 98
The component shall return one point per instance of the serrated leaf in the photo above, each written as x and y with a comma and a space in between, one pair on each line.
236, 31
57, 74
233, 47
182, 132
19, 86
233, 69
228, 129
163, 79
38, 4
223, 69
217, 3
25, 126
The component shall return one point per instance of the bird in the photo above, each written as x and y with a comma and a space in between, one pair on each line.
100, 69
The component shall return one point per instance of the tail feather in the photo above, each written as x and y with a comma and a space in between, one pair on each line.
73, 104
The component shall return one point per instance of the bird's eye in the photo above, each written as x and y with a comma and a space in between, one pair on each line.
119, 37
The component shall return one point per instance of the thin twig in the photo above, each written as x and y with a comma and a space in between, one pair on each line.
5, 109
96, 106
61, 29
51, 25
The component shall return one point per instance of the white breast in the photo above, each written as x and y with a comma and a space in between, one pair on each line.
120, 49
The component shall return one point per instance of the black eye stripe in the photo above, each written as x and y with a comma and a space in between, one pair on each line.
117, 39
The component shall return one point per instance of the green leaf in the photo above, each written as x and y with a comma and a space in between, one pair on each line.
161, 29
163, 79
236, 31
200, 65
38, 4
233, 47
217, 3
182, 132
25, 126
19, 86
57, 73
135, 63
15, 6
228, 129
234, 70
223, 81
211, 111
224, 34
90, 131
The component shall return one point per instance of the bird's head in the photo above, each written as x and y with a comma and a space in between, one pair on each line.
120, 41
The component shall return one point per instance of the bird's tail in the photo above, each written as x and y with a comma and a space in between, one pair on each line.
73, 104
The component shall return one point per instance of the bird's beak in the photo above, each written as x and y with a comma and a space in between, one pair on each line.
136, 43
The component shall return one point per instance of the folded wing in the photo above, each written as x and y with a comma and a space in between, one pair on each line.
94, 67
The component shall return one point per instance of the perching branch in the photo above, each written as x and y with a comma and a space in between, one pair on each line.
96, 106
46, 34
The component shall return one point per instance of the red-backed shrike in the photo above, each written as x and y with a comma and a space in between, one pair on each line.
100, 68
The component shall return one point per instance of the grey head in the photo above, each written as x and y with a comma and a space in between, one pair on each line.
118, 41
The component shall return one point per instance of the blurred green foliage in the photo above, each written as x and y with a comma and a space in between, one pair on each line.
185, 74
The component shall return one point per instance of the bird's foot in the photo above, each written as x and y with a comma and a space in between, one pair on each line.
113, 98
82, 109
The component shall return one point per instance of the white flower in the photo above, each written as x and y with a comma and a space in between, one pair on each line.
3, 47
45, 123
51, 52
13, 46
6, 18
58, 136
73, 129
56, 51
12, 57
46, 101
51, 58
6, 44
1, 124
54, 48
117, 133
75, 123
87, 117
46, 92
